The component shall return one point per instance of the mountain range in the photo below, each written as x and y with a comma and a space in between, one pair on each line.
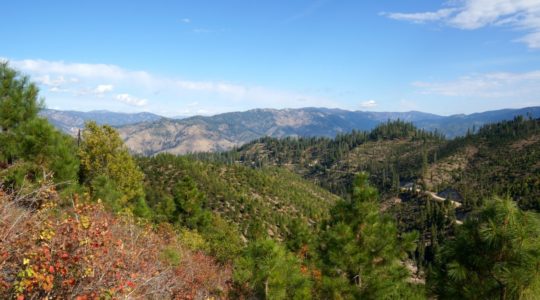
149, 134
70, 121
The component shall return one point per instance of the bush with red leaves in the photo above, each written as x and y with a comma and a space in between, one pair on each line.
84, 252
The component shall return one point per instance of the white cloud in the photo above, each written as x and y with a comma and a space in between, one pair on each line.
84, 81
186, 20
46, 69
74, 69
513, 86
128, 99
421, 17
523, 15
368, 104
56, 89
52, 82
103, 88
532, 39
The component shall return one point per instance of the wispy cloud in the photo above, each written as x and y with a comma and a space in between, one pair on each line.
522, 15
512, 86
421, 17
47, 80
186, 20
87, 83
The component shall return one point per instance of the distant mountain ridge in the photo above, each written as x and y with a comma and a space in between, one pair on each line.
457, 125
149, 134
225, 131
71, 121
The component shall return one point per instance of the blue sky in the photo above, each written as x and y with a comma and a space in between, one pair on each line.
208, 57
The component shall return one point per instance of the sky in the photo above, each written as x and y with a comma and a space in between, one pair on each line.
179, 58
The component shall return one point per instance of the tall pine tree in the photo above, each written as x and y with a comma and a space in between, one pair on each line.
362, 255
495, 255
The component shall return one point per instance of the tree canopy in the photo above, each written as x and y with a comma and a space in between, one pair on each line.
495, 254
26, 137
361, 252
103, 158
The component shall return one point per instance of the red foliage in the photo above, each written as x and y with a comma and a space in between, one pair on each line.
84, 252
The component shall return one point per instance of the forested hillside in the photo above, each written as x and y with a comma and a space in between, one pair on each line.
391, 153
261, 202
84, 219
415, 171
500, 158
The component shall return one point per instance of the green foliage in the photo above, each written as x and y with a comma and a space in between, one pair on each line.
18, 99
259, 202
267, 271
25, 136
495, 254
108, 168
299, 236
193, 240
361, 252
505, 162
165, 209
331, 248
174, 196
399, 130
189, 203
223, 239
18, 174
170, 256
390, 153
104, 189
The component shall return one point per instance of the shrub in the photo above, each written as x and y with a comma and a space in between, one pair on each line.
84, 251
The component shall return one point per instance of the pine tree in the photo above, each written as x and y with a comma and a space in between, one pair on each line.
268, 271
27, 137
495, 254
189, 202
361, 252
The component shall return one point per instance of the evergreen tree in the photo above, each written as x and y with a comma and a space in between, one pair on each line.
495, 254
361, 252
268, 271
189, 202
27, 137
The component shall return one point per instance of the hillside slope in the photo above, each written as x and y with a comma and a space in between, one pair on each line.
260, 202
501, 158
391, 153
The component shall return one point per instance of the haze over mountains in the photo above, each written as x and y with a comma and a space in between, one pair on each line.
70, 121
149, 134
